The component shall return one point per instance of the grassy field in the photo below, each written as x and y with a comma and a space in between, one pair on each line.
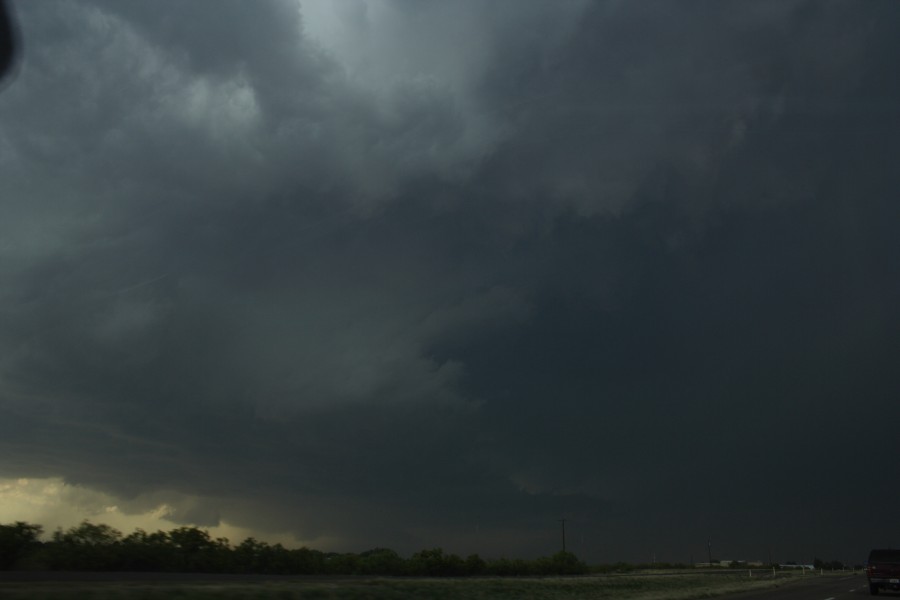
665, 587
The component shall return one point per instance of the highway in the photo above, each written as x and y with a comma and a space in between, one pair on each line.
850, 587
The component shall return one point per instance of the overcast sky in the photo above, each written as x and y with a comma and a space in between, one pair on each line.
415, 273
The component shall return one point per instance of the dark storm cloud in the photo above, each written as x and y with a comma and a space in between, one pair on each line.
713, 332
439, 274
170, 307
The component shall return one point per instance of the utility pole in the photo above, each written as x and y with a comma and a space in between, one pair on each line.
563, 521
709, 550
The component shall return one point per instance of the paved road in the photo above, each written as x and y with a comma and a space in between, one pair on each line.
851, 587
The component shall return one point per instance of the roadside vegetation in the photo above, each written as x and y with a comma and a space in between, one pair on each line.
223, 570
97, 547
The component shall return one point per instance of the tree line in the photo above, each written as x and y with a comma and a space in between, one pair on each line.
98, 547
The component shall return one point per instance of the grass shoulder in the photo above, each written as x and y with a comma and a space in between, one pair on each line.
634, 586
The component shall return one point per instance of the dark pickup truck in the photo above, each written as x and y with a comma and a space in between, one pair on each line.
883, 570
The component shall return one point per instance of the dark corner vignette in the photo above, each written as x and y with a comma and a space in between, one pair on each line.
9, 45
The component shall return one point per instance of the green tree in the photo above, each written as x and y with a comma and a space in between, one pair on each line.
380, 561
249, 555
17, 541
87, 547
89, 534
142, 551
306, 562
341, 564
475, 565
195, 551
434, 562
